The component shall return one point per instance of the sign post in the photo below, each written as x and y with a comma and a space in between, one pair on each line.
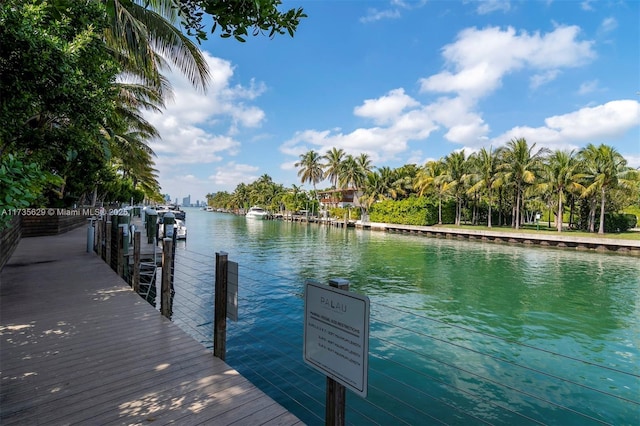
336, 341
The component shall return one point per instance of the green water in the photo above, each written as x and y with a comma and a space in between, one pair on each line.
461, 332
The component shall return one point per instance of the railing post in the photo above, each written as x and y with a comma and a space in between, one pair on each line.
336, 399
135, 276
107, 246
167, 261
220, 307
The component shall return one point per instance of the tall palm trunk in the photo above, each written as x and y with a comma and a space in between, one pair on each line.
592, 215
559, 216
602, 202
489, 218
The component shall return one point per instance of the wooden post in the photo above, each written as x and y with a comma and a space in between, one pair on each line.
98, 238
120, 255
107, 246
336, 399
220, 307
135, 276
165, 293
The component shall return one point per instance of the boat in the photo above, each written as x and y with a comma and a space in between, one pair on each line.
257, 212
179, 228
173, 208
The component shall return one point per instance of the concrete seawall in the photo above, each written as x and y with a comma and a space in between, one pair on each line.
600, 244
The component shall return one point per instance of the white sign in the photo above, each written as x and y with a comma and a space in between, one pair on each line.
336, 335
232, 291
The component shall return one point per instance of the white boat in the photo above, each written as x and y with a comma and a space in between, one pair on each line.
256, 212
179, 228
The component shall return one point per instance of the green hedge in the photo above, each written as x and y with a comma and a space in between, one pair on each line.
619, 222
419, 211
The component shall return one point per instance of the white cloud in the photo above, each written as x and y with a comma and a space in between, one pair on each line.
608, 120
608, 24
541, 79
586, 5
386, 108
633, 160
182, 123
374, 15
479, 59
588, 87
489, 6
227, 177
589, 124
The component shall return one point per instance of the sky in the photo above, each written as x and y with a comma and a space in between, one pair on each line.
404, 82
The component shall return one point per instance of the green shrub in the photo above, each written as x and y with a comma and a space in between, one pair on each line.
352, 213
419, 211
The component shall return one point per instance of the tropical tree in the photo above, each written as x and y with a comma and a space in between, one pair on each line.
485, 176
605, 170
310, 168
432, 177
142, 35
333, 158
374, 189
364, 163
520, 166
562, 176
352, 175
237, 18
456, 165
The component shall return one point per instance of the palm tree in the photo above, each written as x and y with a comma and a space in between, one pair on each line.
310, 168
606, 169
520, 166
352, 175
485, 176
374, 189
145, 34
433, 177
364, 162
456, 168
562, 177
334, 159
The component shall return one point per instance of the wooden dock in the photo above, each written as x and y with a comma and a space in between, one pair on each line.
78, 346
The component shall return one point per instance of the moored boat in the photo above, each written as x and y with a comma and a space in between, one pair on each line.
257, 212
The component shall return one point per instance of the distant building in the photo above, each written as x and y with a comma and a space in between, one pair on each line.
339, 197
186, 201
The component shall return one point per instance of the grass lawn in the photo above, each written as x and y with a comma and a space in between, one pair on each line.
544, 229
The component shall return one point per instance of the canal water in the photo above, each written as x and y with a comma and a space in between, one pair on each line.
461, 332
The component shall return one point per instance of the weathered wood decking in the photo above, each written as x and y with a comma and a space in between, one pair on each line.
77, 346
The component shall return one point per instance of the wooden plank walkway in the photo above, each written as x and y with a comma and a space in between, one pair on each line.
77, 346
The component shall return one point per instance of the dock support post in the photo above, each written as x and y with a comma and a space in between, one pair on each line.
336, 399
107, 245
120, 252
99, 237
165, 286
135, 276
220, 307
167, 261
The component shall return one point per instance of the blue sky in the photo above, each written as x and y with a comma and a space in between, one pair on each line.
405, 82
